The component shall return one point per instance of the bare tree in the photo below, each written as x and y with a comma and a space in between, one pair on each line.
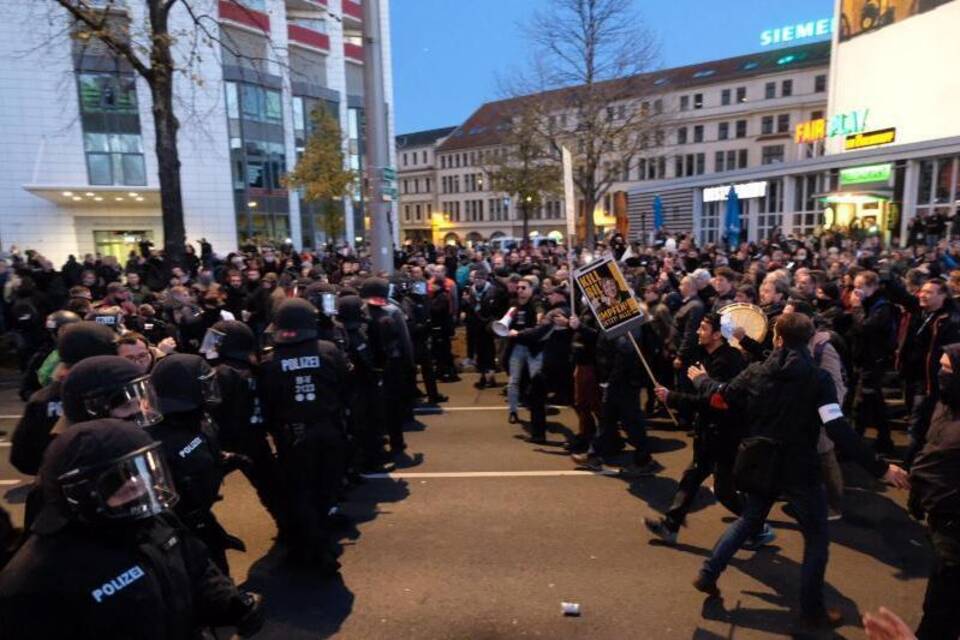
594, 91
524, 166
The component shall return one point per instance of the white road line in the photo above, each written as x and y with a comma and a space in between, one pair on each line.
10, 417
5, 444
9, 483
443, 409
488, 474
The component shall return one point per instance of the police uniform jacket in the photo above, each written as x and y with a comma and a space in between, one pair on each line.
32, 435
152, 583
303, 383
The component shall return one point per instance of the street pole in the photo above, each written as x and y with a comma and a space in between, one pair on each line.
378, 154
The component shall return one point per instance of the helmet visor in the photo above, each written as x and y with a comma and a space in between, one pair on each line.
135, 401
136, 486
210, 347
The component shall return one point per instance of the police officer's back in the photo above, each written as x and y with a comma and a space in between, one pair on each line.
105, 559
304, 387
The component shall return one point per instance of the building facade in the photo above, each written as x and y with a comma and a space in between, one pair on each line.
884, 151
417, 182
714, 118
80, 172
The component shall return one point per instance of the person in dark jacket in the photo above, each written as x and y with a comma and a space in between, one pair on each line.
187, 388
874, 342
935, 497
33, 434
106, 560
785, 400
526, 355
586, 391
620, 375
231, 348
717, 435
303, 391
939, 325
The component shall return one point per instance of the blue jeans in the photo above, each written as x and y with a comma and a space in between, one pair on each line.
520, 356
811, 507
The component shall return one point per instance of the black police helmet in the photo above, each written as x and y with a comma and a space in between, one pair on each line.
295, 321
85, 339
98, 385
105, 471
184, 383
374, 288
238, 341
351, 311
59, 319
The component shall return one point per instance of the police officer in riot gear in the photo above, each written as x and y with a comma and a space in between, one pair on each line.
304, 388
187, 387
109, 555
109, 387
393, 355
231, 348
32, 436
42, 362
364, 386
417, 308
323, 296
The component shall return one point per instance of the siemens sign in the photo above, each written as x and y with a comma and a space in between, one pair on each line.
793, 32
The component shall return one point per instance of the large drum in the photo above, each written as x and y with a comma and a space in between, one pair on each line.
749, 317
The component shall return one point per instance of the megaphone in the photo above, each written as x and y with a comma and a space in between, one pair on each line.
502, 326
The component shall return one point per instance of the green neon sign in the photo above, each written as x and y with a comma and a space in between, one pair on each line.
863, 175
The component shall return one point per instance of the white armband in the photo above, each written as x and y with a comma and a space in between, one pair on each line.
830, 412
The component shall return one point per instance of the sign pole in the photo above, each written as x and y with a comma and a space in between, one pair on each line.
646, 366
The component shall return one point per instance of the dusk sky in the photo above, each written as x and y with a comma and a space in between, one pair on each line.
448, 54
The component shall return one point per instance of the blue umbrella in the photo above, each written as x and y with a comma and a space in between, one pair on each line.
731, 221
657, 213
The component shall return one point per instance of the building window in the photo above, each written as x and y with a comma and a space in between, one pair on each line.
111, 125
820, 83
783, 123
766, 125
723, 131
698, 133
786, 88
742, 159
772, 154
658, 106
718, 161
698, 101
741, 128
770, 90
701, 163
741, 94
731, 160
405, 164
689, 164
684, 103
682, 135
678, 167
114, 158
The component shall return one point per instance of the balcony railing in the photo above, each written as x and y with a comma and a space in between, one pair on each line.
308, 37
249, 17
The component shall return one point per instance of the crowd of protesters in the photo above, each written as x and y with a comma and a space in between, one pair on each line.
307, 338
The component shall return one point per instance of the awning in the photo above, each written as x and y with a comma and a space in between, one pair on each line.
86, 196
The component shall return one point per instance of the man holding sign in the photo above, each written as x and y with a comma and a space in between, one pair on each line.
620, 368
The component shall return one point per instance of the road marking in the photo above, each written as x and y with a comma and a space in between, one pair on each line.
10, 417
436, 410
8, 483
5, 444
489, 474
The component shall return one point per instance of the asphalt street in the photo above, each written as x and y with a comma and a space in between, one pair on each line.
481, 535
